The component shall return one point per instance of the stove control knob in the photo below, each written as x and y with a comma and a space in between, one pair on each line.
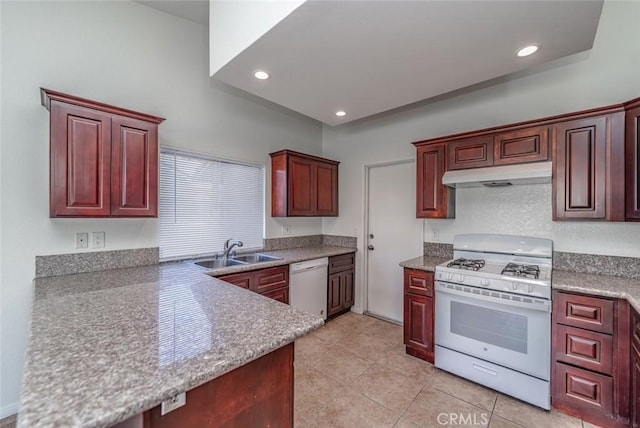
514, 286
530, 288
460, 278
484, 282
449, 276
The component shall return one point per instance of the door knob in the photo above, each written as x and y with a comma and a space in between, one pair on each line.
371, 236
371, 247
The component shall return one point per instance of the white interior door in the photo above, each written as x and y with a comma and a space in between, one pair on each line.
394, 234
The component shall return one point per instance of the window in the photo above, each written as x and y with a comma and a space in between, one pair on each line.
205, 201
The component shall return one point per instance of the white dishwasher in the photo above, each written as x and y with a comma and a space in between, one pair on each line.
308, 286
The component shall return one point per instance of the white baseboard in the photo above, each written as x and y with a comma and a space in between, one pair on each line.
357, 310
9, 410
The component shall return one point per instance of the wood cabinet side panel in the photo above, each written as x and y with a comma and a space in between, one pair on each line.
259, 393
279, 185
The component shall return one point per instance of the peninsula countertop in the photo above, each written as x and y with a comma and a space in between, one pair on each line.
105, 346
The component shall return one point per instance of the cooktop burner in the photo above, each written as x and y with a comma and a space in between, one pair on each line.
525, 271
469, 264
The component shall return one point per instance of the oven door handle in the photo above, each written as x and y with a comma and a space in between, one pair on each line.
541, 307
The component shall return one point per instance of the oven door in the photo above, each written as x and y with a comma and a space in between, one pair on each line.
506, 329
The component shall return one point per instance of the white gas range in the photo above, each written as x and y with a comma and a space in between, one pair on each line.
493, 314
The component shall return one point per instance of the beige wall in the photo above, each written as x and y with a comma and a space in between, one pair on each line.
132, 56
607, 74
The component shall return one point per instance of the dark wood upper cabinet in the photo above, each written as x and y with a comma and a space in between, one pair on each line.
470, 153
524, 145
589, 168
303, 185
632, 156
103, 159
433, 199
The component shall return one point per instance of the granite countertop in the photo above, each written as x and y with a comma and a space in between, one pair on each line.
105, 346
598, 285
288, 256
427, 263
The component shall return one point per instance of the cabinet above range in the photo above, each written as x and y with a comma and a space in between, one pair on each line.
582, 154
303, 185
103, 159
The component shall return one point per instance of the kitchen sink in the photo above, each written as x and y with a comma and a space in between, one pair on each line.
218, 263
245, 259
255, 258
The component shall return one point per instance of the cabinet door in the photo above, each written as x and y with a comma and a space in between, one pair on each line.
134, 168
301, 186
580, 391
346, 285
334, 298
470, 153
524, 145
326, 189
635, 387
418, 324
80, 162
433, 199
632, 151
588, 168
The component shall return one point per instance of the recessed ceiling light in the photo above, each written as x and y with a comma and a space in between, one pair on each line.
527, 50
341, 113
262, 75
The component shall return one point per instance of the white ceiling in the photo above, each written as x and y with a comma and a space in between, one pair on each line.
367, 57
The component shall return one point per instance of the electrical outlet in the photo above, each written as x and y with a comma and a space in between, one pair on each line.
286, 229
435, 235
98, 239
82, 240
173, 403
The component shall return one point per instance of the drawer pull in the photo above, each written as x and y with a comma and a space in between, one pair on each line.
484, 369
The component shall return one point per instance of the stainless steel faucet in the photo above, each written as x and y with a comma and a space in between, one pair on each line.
229, 245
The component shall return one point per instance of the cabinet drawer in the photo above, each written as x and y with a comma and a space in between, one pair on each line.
582, 390
280, 294
583, 348
418, 282
340, 263
270, 279
525, 145
587, 312
240, 279
472, 153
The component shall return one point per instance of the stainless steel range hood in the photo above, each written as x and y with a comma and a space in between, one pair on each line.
499, 176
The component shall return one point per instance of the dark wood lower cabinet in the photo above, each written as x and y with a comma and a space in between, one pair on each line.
258, 394
270, 282
340, 284
419, 314
590, 358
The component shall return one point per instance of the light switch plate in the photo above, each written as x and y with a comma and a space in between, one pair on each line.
286, 229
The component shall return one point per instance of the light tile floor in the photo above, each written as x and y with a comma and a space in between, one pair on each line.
354, 372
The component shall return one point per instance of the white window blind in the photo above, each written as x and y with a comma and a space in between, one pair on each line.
205, 201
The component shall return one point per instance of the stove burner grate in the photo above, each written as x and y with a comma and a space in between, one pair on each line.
525, 271
469, 264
